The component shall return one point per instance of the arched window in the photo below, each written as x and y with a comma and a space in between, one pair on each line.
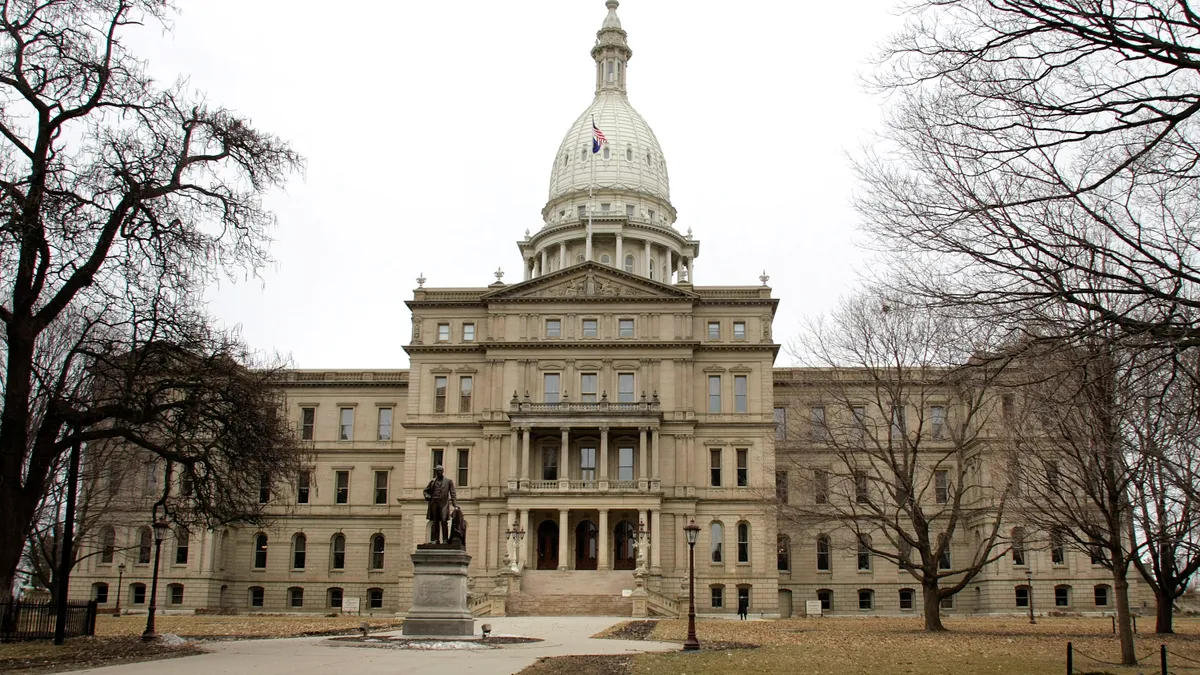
377, 552
583, 154
338, 552
743, 542
605, 259
100, 592
1018, 546
629, 154
144, 545
299, 551
334, 597
607, 153
175, 594
652, 268
1022, 593
629, 263
864, 552
564, 159
783, 548
717, 537
647, 159
260, 551
823, 553
256, 596
826, 597
108, 544
1062, 596
295, 597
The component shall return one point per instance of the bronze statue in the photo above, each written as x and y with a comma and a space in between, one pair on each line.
441, 496
458, 527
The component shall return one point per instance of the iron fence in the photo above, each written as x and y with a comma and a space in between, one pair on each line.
35, 620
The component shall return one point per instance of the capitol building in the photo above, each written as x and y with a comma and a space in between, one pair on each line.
597, 404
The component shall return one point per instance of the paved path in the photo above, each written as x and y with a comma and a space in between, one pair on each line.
318, 656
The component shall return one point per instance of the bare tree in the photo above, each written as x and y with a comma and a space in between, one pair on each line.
896, 456
119, 200
1038, 163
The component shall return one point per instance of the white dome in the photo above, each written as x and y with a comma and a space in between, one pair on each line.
633, 160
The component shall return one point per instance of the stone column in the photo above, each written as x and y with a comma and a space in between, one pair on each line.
620, 260
670, 263
647, 264
482, 534
565, 454
656, 540
587, 253
642, 452
692, 270
604, 453
513, 458
523, 553
563, 535
602, 542
528, 269
525, 433
654, 458
537, 265
562, 254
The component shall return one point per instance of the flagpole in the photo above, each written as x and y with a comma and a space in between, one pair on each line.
591, 181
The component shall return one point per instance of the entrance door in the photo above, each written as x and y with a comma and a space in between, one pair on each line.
624, 554
586, 545
547, 545
785, 604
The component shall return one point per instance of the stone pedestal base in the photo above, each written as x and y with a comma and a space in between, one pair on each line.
439, 607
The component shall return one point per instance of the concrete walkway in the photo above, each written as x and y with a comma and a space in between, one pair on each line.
561, 636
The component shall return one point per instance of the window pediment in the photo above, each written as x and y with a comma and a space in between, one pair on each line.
714, 368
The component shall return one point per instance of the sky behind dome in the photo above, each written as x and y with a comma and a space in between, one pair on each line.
430, 129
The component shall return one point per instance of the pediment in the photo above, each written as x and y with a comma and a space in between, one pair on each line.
589, 281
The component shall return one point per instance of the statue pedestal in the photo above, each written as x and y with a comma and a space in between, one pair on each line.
439, 607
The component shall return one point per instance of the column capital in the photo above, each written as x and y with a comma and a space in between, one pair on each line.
644, 429
604, 430
564, 429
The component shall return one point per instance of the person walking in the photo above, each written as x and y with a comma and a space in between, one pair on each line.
743, 607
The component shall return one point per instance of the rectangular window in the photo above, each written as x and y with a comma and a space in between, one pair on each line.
944, 561
714, 393
591, 328
264, 489
820, 486
101, 594
714, 468
553, 328
1102, 596
718, 597
1058, 550
625, 328
625, 388
1052, 475
550, 388
818, 429
582, 210
906, 598
295, 597
629, 210
139, 594
181, 547
1022, 596
549, 463
468, 332
256, 596
187, 484
898, 422
346, 424
381, 487
714, 330
341, 484
739, 330
466, 386
864, 556
1006, 407
824, 563
587, 464
588, 383
941, 486
624, 463
303, 482
1062, 596
781, 424
308, 423
436, 458
443, 332
335, 598
859, 431
861, 488
741, 401
865, 599
464, 467
937, 422
439, 393
376, 596
743, 468
947, 602
385, 424
781, 486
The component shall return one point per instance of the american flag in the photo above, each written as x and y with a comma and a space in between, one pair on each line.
598, 138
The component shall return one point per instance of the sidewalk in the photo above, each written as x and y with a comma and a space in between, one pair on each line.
561, 636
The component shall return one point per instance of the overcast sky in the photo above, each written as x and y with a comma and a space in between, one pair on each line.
430, 128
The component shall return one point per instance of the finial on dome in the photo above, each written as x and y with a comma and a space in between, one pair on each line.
612, 21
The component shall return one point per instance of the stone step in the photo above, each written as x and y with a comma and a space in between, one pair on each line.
523, 604
576, 582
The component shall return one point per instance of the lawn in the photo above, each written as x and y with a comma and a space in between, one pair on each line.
898, 646
239, 625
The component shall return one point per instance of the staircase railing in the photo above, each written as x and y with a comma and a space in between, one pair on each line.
661, 605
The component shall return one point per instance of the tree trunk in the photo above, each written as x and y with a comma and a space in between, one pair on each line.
1164, 616
1124, 623
933, 609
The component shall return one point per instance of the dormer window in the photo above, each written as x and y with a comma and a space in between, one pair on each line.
606, 152
629, 263
604, 259
647, 158
628, 154
583, 154
564, 159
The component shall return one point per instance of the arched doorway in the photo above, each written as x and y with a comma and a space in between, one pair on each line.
624, 550
547, 545
586, 543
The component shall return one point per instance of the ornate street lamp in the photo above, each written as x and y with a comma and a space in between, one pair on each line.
160, 533
120, 576
1029, 593
691, 530
515, 534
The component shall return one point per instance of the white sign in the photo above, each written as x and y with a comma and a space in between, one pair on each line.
351, 605
811, 607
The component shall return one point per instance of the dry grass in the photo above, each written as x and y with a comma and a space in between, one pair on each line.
897, 646
239, 626
42, 656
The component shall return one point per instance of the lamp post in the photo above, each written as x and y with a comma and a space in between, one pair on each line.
120, 576
1029, 592
691, 530
160, 532
515, 534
